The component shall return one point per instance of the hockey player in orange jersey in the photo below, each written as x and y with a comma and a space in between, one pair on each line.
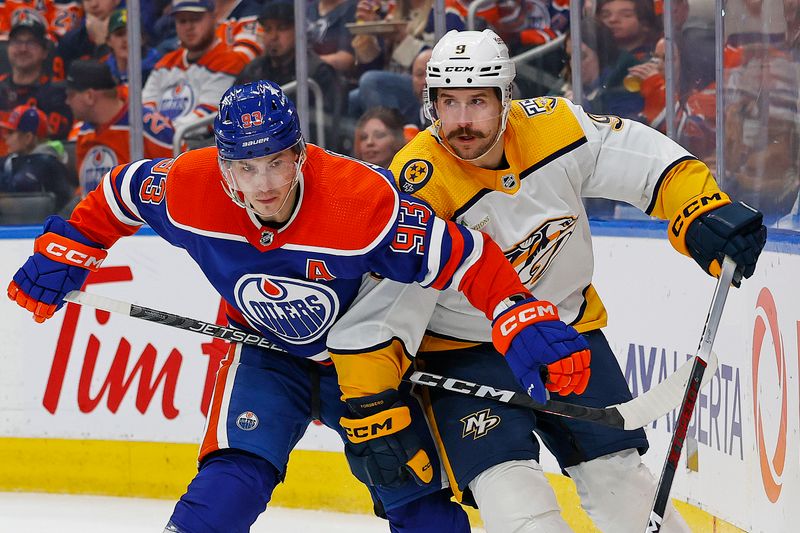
517, 170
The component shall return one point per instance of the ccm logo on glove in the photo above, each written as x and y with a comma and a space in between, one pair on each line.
64, 250
377, 425
689, 212
537, 311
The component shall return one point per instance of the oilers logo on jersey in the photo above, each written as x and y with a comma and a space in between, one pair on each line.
98, 162
177, 100
532, 256
296, 311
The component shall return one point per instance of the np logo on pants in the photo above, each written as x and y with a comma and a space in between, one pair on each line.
478, 424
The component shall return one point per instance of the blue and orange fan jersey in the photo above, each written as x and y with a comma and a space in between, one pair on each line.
100, 148
240, 30
292, 283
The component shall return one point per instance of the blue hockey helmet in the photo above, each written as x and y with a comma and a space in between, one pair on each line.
254, 120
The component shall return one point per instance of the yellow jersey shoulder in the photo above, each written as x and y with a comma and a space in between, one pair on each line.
543, 128
538, 130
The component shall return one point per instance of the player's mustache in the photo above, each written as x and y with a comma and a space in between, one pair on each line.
466, 131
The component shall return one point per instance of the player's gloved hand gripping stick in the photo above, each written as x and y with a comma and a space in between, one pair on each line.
536, 344
62, 259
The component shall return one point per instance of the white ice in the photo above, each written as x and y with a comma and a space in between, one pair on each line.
49, 513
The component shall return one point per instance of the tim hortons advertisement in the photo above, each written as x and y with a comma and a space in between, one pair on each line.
88, 374
91, 374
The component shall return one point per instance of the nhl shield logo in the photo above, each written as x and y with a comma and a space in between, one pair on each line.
509, 181
247, 421
267, 237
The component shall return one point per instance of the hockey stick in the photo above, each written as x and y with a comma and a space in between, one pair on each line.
633, 414
168, 319
699, 362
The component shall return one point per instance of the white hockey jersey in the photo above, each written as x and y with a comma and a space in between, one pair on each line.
184, 91
556, 155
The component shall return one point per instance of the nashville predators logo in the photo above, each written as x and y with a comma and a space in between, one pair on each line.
532, 256
415, 174
478, 424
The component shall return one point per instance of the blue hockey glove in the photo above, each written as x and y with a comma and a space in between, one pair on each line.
382, 448
735, 230
535, 342
62, 260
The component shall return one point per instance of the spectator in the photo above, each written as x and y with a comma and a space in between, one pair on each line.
118, 43
418, 72
29, 81
88, 39
603, 67
762, 133
327, 34
11, 11
386, 60
34, 163
379, 135
238, 27
277, 64
186, 84
103, 139
633, 23
522, 23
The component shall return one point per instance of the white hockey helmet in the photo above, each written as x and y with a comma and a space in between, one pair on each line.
463, 59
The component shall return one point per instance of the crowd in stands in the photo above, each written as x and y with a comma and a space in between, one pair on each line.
64, 79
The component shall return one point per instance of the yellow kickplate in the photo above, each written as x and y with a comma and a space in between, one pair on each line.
314, 480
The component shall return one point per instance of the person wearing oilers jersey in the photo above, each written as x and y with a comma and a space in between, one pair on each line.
517, 170
288, 234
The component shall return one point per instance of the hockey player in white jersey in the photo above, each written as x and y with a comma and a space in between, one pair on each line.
518, 170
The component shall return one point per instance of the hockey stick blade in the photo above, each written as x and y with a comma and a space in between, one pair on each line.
633, 414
